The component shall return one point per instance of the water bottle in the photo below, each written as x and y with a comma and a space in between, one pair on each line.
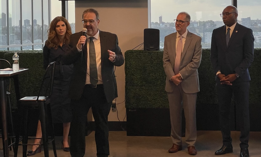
15, 62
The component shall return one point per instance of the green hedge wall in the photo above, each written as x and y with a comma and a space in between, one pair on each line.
145, 80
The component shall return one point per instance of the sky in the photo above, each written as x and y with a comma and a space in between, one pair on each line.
202, 10
14, 8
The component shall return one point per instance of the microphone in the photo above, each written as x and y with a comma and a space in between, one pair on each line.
113, 106
84, 31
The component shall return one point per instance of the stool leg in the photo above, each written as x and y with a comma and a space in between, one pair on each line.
43, 125
25, 134
3, 116
10, 119
52, 129
16, 144
18, 128
3, 143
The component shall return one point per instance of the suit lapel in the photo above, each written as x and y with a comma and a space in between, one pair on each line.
173, 45
103, 45
223, 37
187, 43
234, 35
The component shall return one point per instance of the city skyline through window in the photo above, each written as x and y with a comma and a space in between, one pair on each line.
24, 26
205, 16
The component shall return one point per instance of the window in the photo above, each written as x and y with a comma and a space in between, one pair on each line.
24, 26
37, 25
205, 16
71, 15
14, 25
249, 16
3, 24
27, 25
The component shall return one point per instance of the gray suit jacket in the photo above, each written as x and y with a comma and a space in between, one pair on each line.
190, 61
108, 41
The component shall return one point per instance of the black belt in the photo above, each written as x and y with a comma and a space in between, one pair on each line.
93, 86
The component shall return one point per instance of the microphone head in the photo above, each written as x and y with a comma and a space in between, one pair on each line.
84, 30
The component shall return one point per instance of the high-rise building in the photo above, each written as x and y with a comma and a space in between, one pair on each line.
3, 20
10, 22
26, 22
35, 22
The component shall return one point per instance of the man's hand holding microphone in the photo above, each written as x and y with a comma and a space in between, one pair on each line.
82, 39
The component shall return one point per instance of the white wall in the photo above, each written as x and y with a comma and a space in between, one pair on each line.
127, 19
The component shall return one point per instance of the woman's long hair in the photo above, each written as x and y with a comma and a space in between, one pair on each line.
53, 40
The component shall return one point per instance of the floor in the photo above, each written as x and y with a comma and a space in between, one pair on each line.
122, 145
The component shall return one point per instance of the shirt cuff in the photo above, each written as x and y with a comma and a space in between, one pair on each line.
218, 73
181, 76
79, 50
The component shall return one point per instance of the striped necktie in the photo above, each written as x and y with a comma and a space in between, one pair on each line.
93, 66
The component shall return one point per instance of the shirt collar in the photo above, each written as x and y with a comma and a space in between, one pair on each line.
96, 36
183, 35
231, 27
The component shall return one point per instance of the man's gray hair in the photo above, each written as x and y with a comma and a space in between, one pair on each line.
91, 10
187, 16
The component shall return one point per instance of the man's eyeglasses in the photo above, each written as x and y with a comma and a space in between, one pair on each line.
226, 14
179, 21
86, 21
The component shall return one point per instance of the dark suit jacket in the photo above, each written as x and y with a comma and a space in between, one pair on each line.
237, 56
108, 41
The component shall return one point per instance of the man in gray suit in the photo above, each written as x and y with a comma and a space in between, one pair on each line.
181, 60
93, 83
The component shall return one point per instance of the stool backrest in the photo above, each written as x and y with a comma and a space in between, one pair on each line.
47, 80
4, 63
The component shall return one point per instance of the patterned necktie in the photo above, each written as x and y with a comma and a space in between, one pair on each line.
93, 66
178, 55
228, 35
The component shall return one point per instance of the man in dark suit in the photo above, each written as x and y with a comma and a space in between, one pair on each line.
93, 83
232, 52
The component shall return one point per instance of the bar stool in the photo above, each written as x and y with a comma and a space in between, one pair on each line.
6, 64
45, 117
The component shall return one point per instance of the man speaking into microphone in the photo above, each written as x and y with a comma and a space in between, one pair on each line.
93, 83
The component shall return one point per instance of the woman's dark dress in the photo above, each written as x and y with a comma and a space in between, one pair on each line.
60, 101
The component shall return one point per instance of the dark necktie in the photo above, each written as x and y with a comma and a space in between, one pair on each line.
228, 35
93, 66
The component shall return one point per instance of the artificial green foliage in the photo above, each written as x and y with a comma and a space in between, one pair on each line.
145, 80
207, 94
255, 84
2, 54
